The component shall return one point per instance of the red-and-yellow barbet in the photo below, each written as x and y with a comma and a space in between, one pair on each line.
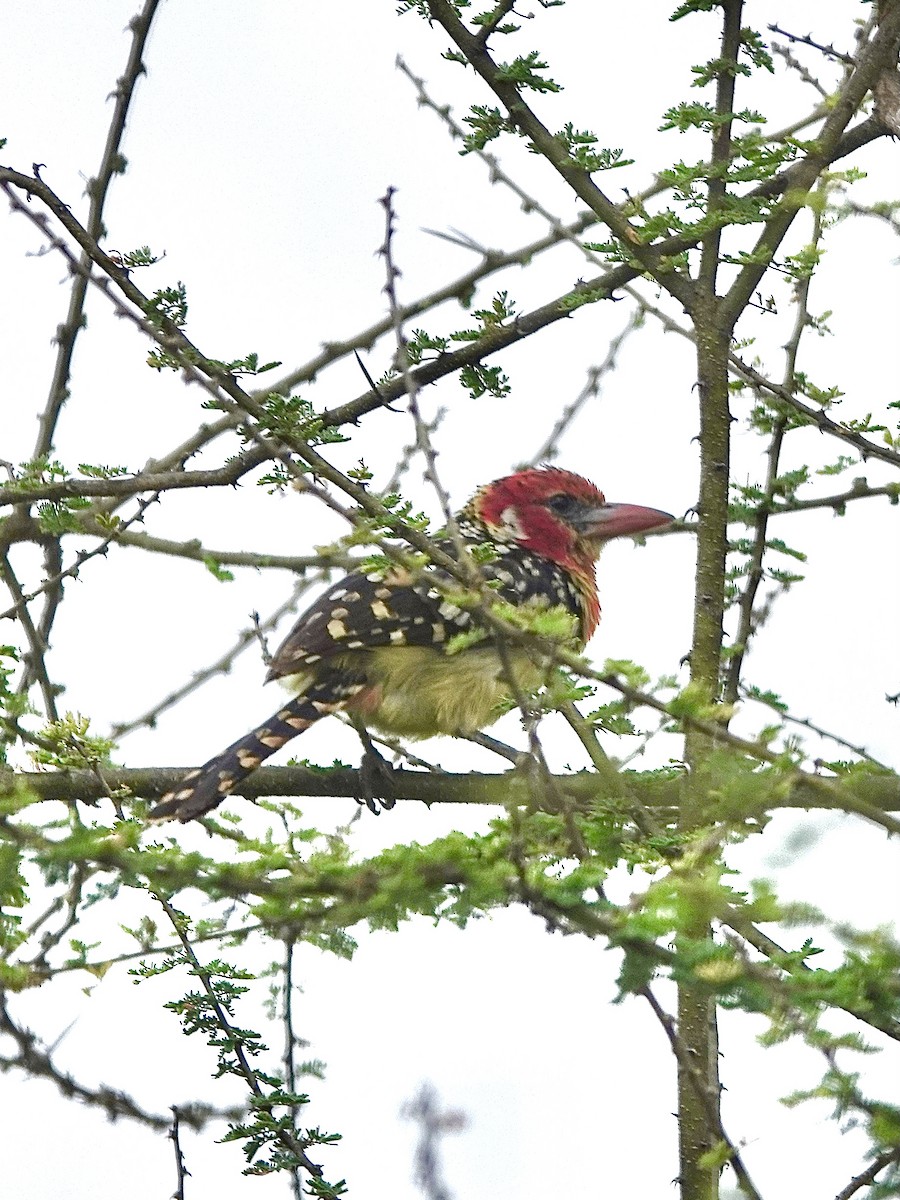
374, 645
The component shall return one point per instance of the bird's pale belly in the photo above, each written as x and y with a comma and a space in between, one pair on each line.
419, 692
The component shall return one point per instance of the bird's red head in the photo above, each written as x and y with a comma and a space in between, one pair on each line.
561, 517
558, 515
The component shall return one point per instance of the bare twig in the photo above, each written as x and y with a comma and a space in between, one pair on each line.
870, 1174
424, 444
591, 389
748, 619
222, 665
181, 1171
796, 65
34, 1059
35, 667
829, 51
110, 165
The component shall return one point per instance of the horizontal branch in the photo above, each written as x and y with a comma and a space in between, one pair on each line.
195, 550
131, 485
860, 489
880, 791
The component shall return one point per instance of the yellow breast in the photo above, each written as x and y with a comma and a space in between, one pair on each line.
422, 692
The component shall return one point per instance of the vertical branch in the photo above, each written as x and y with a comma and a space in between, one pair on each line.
181, 1171
712, 507
423, 440
746, 625
712, 337
721, 141
698, 1067
235, 1039
112, 163
698, 1089
710, 1103
35, 667
290, 1045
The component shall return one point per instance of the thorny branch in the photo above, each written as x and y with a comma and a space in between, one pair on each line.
867, 1177
868, 794
748, 618
222, 665
32, 1058
288, 1139
181, 1171
97, 190
688, 1065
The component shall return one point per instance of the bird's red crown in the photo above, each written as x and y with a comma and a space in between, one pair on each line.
533, 507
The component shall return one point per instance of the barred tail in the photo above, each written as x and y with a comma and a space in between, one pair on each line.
206, 787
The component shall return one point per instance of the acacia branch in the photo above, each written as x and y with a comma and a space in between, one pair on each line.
816, 416
860, 489
867, 1177
556, 154
747, 622
234, 1039
658, 794
697, 1046
708, 1100
112, 163
807, 40
337, 899
601, 287
873, 59
32, 1058
131, 485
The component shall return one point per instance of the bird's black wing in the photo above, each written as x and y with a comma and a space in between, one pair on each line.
362, 612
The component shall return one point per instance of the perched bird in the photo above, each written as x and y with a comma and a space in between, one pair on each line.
374, 644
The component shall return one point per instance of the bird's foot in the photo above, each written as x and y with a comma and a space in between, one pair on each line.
376, 779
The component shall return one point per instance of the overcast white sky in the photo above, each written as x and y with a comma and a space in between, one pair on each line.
258, 146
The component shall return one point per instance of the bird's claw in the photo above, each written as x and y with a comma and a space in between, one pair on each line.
376, 782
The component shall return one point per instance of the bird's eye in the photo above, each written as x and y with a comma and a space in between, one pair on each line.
562, 504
